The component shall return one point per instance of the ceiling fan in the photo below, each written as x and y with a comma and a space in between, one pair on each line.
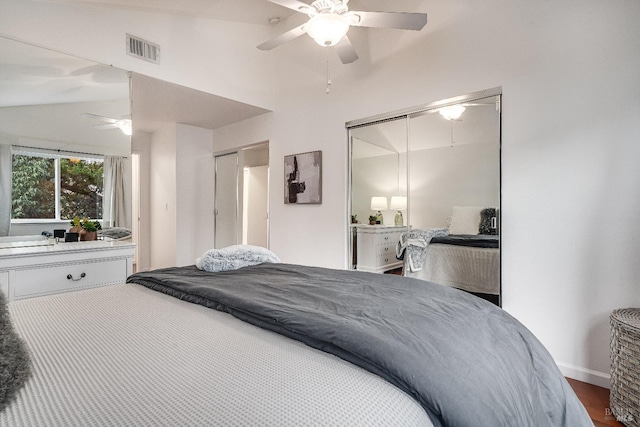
329, 21
123, 124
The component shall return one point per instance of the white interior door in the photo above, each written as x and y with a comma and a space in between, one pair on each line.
256, 215
226, 200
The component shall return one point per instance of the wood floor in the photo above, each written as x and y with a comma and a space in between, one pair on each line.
596, 400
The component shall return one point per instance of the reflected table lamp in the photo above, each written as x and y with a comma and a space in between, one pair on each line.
398, 203
379, 204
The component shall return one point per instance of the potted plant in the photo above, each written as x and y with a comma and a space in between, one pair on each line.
87, 228
373, 219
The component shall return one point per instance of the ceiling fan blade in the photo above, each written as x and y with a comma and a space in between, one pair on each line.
97, 117
397, 20
346, 51
296, 5
283, 38
106, 126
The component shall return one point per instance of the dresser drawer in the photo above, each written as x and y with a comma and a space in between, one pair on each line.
386, 256
44, 280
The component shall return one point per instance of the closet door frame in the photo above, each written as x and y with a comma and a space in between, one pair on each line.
407, 114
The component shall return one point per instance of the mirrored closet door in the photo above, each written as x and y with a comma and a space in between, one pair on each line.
429, 179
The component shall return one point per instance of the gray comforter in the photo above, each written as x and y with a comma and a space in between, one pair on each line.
466, 361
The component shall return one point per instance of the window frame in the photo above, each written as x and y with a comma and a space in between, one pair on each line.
56, 156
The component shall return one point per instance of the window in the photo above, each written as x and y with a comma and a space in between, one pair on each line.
56, 187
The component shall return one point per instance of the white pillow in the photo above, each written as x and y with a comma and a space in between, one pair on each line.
465, 220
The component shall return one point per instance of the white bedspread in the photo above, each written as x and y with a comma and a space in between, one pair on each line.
463, 267
127, 356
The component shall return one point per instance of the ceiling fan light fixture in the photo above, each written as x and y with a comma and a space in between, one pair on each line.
125, 126
452, 112
327, 29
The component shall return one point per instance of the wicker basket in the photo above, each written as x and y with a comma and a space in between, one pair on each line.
625, 365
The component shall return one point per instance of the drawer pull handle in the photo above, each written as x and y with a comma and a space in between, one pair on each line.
70, 277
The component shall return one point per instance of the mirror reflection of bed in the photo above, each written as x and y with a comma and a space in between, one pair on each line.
448, 168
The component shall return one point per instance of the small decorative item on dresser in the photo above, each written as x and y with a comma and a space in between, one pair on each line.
625, 365
398, 203
373, 219
87, 228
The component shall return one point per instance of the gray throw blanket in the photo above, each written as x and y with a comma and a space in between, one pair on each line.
15, 365
412, 246
466, 361
234, 257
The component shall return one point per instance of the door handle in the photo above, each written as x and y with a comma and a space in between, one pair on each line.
70, 277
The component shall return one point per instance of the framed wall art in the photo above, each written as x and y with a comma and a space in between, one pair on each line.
303, 178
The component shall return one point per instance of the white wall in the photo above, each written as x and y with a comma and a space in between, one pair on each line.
194, 191
570, 203
255, 206
376, 176
141, 145
568, 70
440, 178
443, 177
163, 198
181, 194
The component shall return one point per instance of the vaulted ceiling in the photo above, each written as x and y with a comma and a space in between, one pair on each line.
31, 75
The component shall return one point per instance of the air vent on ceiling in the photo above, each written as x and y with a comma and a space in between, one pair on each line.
143, 49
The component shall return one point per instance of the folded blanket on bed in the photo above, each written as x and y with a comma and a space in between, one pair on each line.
234, 257
413, 245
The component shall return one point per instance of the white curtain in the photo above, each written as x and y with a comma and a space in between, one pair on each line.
5, 189
115, 209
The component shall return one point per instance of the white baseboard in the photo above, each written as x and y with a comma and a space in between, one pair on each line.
585, 375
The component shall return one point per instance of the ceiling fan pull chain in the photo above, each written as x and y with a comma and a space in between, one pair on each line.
328, 74
453, 141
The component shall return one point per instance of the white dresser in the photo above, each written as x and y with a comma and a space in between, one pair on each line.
29, 269
376, 247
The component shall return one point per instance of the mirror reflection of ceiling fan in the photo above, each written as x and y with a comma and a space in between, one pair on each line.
329, 21
453, 112
123, 124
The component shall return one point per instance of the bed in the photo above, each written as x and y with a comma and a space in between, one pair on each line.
464, 255
280, 344
467, 262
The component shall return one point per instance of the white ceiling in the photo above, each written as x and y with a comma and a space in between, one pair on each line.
245, 11
157, 101
43, 94
32, 76
372, 44
478, 124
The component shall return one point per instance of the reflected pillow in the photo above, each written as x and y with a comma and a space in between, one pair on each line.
465, 220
